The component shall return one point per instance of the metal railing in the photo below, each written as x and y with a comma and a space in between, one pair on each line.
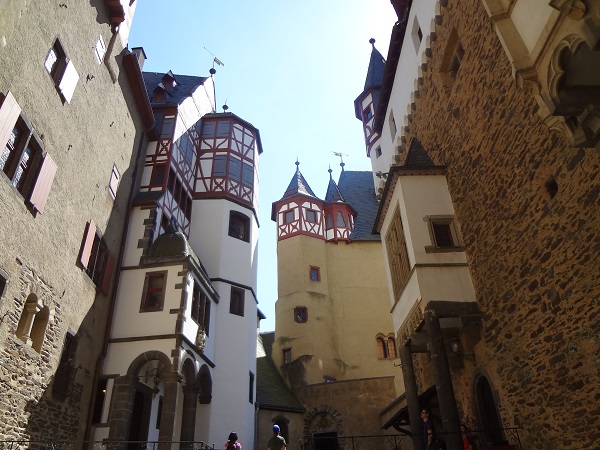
105, 445
481, 439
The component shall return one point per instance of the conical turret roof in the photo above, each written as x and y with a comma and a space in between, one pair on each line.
376, 68
333, 194
298, 185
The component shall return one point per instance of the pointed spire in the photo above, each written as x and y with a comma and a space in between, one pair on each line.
333, 194
298, 185
376, 68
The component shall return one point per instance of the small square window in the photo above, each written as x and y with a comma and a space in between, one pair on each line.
288, 216
442, 235
367, 114
100, 50
236, 305
301, 314
311, 216
223, 128
315, 273
115, 178
154, 292
208, 129
377, 152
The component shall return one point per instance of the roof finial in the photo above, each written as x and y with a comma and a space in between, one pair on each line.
342, 164
297, 164
225, 107
372, 42
330, 177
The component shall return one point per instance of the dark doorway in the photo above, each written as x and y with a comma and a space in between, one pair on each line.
138, 430
326, 441
489, 420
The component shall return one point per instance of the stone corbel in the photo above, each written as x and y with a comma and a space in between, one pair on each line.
574, 9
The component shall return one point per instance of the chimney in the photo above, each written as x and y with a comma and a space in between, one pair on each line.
140, 56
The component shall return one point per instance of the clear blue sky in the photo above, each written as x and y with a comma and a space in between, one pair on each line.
292, 69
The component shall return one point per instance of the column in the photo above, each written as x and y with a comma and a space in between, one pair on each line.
443, 382
188, 420
412, 398
171, 383
121, 408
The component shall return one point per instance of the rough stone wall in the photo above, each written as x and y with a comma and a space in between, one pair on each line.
356, 403
534, 257
39, 252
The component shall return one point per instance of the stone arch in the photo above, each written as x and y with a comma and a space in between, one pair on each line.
152, 355
323, 419
188, 369
486, 406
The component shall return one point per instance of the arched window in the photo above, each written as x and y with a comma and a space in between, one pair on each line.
239, 226
488, 417
382, 350
391, 347
33, 322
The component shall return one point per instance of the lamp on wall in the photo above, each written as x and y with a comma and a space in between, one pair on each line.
154, 375
457, 348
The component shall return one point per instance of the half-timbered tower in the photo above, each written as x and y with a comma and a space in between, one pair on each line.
182, 348
333, 342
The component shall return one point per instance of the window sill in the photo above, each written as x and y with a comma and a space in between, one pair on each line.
432, 249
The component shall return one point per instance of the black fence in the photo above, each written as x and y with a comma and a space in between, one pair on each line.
105, 445
505, 438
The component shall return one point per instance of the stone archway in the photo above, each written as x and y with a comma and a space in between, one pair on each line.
322, 426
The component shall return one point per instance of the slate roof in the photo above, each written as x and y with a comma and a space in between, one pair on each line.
271, 390
376, 70
185, 85
298, 185
417, 155
333, 194
359, 191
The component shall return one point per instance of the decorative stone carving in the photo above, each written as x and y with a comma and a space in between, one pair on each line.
201, 338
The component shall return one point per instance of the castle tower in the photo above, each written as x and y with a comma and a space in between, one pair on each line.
187, 292
339, 214
303, 309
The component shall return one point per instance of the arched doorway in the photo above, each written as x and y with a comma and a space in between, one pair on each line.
487, 412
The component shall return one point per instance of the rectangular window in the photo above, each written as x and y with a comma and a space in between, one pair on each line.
235, 167
154, 291
397, 254
21, 156
62, 71
287, 355
219, 166
113, 185
158, 175
301, 314
95, 258
236, 305
311, 216
168, 127
288, 216
315, 273
99, 401
223, 128
444, 234
208, 129
200, 303
367, 114
100, 50
378, 152
251, 388
247, 174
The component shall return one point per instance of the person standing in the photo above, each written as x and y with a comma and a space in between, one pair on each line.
467, 441
427, 429
232, 442
276, 442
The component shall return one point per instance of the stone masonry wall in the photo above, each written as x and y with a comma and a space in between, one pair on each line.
534, 257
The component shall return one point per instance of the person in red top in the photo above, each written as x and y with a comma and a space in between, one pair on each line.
232, 442
467, 444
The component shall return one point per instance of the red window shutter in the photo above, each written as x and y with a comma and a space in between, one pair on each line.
41, 189
108, 271
87, 244
9, 113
